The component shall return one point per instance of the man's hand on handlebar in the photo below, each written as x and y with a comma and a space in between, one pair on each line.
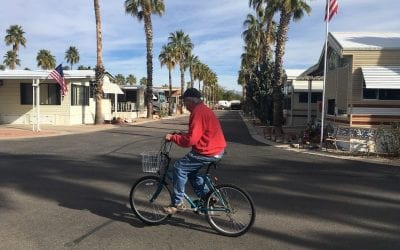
168, 137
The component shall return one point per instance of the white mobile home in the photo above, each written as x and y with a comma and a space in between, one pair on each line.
18, 92
302, 97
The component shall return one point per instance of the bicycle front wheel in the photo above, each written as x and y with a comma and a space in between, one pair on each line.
148, 197
230, 210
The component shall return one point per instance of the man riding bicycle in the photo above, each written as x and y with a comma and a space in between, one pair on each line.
208, 143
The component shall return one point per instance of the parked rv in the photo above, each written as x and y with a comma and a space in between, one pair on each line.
223, 104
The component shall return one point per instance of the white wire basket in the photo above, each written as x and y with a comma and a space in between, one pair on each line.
151, 161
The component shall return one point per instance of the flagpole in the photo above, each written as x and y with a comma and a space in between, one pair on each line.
325, 70
33, 103
38, 106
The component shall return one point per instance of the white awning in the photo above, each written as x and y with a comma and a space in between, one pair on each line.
112, 88
302, 86
377, 77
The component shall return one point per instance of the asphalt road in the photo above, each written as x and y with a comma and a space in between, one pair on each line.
72, 192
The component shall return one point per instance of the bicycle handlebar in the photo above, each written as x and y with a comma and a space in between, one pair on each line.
165, 146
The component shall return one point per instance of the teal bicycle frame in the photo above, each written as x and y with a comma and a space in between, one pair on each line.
167, 175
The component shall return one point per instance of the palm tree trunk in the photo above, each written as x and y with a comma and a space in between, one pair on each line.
182, 85
149, 46
14, 63
191, 78
277, 94
170, 93
268, 36
203, 92
99, 118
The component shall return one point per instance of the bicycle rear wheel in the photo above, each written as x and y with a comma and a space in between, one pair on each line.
230, 210
146, 204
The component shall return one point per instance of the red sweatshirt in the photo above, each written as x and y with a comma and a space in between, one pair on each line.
205, 135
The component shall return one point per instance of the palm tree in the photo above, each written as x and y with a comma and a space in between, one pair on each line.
167, 57
242, 82
289, 9
204, 72
249, 61
198, 71
72, 55
131, 79
210, 80
11, 59
142, 9
254, 35
183, 47
119, 79
268, 9
15, 37
99, 70
45, 60
143, 81
191, 61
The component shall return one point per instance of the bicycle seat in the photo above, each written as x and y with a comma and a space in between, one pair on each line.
212, 164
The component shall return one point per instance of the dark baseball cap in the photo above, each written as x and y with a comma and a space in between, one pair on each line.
191, 92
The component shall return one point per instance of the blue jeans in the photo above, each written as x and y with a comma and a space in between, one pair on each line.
187, 168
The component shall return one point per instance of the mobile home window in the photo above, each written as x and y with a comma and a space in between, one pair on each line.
331, 107
80, 95
130, 96
26, 93
315, 97
380, 94
49, 94
389, 94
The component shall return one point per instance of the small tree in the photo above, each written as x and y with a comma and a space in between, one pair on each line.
389, 139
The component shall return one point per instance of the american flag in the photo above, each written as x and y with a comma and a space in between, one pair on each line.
58, 75
333, 8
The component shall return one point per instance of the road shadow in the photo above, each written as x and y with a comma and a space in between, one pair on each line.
353, 205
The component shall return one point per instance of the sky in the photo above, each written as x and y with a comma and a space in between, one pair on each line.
214, 26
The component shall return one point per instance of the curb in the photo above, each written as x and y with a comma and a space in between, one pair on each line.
16, 132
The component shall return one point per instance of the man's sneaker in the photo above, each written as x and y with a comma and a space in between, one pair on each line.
172, 209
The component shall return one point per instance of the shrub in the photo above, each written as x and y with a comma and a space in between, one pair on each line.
389, 139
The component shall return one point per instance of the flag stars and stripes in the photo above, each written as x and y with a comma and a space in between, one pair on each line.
332, 10
58, 75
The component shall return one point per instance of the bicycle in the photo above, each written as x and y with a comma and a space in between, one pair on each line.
229, 209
